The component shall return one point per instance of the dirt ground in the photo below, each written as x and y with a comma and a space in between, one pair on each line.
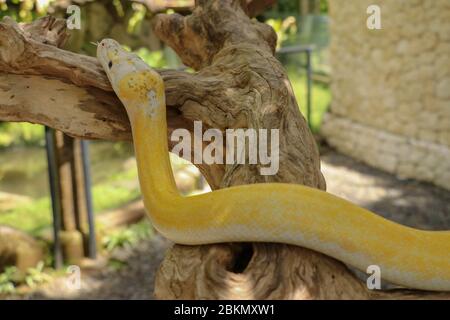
413, 203
409, 202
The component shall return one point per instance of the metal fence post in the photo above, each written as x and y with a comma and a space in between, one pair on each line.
56, 206
309, 85
92, 246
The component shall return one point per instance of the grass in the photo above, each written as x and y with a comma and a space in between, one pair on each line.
111, 191
116, 190
31, 217
36, 216
320, 97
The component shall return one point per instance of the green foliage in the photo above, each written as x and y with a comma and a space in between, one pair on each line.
112, 196
35, 216
155, 59
31, 217
116, 264
119, 8
134, 23
284, 28
24, 10
20, 134
36, 275
116, 190
128, 236
7, 284
119, 239
11, 278
324, 6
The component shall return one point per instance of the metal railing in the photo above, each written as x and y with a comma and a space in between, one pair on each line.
56, 200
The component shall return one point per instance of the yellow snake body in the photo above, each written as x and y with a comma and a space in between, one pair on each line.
271, 212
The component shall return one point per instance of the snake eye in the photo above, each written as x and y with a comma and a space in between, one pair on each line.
110, 64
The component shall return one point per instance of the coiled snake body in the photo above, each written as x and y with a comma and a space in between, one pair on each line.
269, 212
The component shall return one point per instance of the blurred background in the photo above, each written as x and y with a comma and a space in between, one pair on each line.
379, 108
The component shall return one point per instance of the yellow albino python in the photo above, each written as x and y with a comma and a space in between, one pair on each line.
269, 212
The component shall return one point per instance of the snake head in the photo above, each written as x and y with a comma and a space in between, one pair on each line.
134, 82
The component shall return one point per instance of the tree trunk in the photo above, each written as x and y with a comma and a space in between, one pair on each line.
239, 84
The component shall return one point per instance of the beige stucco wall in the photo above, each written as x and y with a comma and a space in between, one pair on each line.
391, 87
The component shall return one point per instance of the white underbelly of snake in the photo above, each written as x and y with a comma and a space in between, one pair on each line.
267, 212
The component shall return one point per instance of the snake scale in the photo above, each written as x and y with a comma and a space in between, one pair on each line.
267, 212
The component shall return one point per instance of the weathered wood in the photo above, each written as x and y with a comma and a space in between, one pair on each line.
264, 271
81, 112
239, 84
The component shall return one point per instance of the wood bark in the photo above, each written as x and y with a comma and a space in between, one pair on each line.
238, 84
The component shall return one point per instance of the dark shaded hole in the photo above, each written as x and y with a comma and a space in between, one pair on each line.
243, 253
7, 259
